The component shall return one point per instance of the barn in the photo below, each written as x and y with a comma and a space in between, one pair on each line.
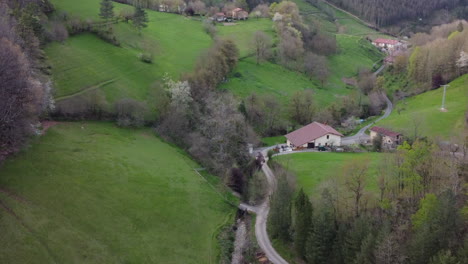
314, 135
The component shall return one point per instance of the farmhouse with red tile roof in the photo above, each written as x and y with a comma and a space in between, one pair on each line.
314, 135
389, 138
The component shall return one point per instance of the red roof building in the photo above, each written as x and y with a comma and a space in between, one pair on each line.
314, 135
386, 41
389, 137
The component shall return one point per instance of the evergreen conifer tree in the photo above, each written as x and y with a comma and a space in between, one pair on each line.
107, 10
140, 18
302, 222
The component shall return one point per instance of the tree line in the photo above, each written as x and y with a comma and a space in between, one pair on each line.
25, 88
435, 58
418, 215
384, 13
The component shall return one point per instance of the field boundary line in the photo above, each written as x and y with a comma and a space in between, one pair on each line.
91, 88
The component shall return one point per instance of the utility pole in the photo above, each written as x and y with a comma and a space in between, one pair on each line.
443, 97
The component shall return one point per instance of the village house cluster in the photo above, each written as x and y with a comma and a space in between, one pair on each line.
323, 137
235, 14
393, 48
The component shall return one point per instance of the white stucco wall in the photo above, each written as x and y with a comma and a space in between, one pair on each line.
332, 140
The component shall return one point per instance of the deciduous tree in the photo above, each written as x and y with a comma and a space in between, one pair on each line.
261, 44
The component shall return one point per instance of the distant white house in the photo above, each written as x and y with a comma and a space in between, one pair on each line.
389, 44
314, 135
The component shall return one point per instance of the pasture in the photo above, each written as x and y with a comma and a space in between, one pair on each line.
92, 193
421, 114
85, 62
314, 168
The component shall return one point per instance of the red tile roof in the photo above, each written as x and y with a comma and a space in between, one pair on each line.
310, 132
386, 41
384, 131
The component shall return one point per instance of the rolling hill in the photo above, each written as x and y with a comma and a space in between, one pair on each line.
87, 62
94, 193
423, 111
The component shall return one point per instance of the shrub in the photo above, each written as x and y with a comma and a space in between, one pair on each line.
130, 113
146, 57
210, 28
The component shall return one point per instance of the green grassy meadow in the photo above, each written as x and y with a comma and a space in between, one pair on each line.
270, 141
424, 109
86, 62
270, 78
93, 193
314, 168
242, 32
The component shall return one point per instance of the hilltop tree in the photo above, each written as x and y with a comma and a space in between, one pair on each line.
140, 18
107, 10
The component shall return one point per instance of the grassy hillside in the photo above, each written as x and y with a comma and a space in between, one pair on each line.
424, 110
84, 61
93, 193
269, 78
242, 32
314, 168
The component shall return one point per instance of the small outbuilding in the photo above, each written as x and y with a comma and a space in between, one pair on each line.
389, 138
220, 17
314, 135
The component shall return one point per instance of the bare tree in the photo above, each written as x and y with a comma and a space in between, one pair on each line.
355, 181
291, 47
316, 66
261, 44
20, 95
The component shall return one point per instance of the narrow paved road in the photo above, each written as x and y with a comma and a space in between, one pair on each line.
361, 134
262, 215
262, 210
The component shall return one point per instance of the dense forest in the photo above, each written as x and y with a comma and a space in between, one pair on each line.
417, 215
383, 12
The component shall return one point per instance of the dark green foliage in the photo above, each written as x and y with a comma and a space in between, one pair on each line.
377, 143
302, 222
460, 27
355, 238
384, 12
437, 230
140, 18
444, 257
366, 254
106, 10
319, 246
226, 239
280, 212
